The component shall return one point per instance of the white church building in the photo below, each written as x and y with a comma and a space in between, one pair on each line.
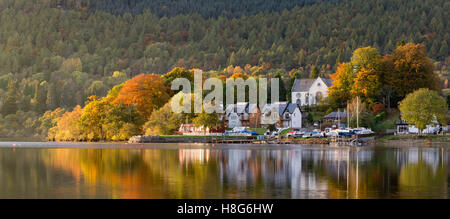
308, 92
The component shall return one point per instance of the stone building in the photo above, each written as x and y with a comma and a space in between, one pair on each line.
307, 92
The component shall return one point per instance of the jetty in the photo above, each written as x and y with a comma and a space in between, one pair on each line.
332, 141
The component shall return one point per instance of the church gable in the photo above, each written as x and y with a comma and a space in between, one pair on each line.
310, 91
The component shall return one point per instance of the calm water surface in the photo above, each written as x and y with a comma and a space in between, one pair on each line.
73, 170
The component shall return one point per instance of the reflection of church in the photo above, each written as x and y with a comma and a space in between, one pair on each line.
310, 91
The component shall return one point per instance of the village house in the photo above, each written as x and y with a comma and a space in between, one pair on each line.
282, 115
242, 114
335, 117
308, 92
190, 129
403, 128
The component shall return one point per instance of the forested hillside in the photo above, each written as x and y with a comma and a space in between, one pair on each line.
206, 8
58, 53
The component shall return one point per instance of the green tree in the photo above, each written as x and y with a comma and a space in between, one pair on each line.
52, 97
282, 91
365, 57
10, 102
448, 100
40, 97
422, 107
315, 72
163, 121
206, 120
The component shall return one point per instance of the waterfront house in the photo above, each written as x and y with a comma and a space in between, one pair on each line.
335, 117
308, 92
402, 127
242, 114
282, 115
190, 129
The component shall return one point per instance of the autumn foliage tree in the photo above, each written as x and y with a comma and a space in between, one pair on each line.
366, 84
343, 80
146, 92
376, 79
68, 127
408, 69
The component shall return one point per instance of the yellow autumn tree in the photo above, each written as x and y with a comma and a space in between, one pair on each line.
366, 84
68, 127
343, 79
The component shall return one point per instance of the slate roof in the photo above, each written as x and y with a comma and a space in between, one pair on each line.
328, 81
241, 107
291, 107
336, 115
281, 107
401, 122
303, 85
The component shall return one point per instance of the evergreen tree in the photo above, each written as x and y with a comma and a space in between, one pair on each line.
315, 72
40, 97
10, 102
52, 97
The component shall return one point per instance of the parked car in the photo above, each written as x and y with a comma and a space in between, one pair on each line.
295, 134
363, 131
329, 132
307, 135
317, 134
253, 133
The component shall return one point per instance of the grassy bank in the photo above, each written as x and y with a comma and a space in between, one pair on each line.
441, 138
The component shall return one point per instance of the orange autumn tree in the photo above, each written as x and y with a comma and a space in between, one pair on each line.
408, 69
343, 79
146, 92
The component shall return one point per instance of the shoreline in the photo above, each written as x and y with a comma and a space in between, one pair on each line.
391, 140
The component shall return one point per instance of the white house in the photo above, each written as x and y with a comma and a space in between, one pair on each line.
307, 92
282, 114
242, 114
293, 115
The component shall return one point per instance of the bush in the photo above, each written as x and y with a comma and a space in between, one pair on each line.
378, 108
366, 120
380, 117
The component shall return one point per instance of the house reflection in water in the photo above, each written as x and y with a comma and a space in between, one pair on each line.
188, 156
171, 171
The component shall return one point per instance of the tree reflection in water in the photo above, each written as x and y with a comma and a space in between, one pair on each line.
293, 172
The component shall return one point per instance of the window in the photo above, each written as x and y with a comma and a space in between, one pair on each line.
319, 97
286, 116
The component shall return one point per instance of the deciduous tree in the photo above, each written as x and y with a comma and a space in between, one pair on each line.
408, 69
423, 107
146, 92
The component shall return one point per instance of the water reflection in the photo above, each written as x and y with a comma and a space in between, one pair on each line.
295, 172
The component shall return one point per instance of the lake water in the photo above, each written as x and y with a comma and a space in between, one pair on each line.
74, 170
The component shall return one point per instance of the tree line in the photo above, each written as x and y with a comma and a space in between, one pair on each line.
206, 8
56, 57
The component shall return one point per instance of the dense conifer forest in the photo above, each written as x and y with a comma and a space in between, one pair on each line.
57, 53
206, 8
